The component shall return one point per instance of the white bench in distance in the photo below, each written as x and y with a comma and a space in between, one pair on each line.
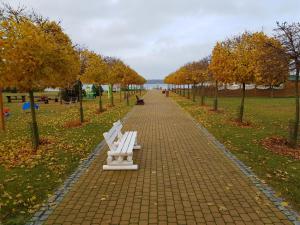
119, 156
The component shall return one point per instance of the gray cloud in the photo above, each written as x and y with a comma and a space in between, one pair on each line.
156, 37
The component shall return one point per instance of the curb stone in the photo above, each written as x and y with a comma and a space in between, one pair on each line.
47, 208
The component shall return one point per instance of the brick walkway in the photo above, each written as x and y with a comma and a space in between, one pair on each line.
183, 179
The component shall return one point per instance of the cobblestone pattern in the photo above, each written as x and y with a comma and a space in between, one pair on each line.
183, 178
47, 208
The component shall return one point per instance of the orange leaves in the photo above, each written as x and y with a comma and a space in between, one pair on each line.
95, 70
191, 73
272, 64
37, 55
249, 58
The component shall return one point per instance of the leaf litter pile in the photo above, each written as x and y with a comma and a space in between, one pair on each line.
279, 145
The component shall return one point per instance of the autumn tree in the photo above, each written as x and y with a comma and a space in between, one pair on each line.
271, 64
2, 73
115, 74
35, 58
95, 72
130, 77
221, 66
289, 36
83, 63
200, 75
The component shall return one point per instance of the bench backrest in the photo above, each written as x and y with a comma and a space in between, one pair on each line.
112, 134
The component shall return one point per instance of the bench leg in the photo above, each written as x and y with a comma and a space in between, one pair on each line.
136, 146
118, 163
109, 159
125, 167
119, 160
129, 159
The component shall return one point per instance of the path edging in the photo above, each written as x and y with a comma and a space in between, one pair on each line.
291, 215
47, 208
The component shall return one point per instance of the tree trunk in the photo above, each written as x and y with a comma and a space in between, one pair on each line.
34, 127
127, 96
80, 102
241, 114
125, 93
100, 99
60, 96
296, 125
188, 94
216, 97
202, 94
2, 122
120, 94
194, 92
271, 91
111, 95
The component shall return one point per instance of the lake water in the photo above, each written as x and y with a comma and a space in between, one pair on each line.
105, 87
155, 86
146, 86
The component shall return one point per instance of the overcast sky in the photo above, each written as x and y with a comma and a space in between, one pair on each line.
155, 37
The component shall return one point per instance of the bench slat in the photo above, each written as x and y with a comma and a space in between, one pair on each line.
122, 143
132, 141
126, 147
122, 149
112, 134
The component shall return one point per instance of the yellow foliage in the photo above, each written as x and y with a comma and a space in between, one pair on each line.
36, 56
249, 58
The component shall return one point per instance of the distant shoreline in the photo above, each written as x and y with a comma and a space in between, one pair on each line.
155, 81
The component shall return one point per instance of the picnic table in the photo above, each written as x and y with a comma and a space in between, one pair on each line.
15, 98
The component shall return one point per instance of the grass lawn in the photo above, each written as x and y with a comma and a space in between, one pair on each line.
26, 178
268, 117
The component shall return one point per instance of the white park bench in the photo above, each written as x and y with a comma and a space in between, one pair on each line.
121, 146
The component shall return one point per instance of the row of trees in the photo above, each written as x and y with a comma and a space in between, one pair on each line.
250, 58
193, 73
35, 54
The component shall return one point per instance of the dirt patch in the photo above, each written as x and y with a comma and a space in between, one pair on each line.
75, 123
214, 111
99, 112
245, 124
280, 146
45, 141
108, 106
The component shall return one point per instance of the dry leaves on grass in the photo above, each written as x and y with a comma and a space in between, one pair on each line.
245, 124
20, 153
279, 145
75, 123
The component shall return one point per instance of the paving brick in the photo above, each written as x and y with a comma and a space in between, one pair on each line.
183, 178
